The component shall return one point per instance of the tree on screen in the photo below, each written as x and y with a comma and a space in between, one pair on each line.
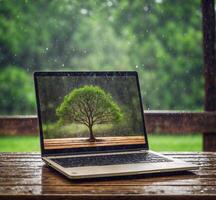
89, 105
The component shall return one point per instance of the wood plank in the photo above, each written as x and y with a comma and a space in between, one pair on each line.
180, 121
63, 182
156, 122
18, 125
109, 190
107, 197
208, 11
63, 143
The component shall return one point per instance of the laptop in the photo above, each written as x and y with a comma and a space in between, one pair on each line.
92, 125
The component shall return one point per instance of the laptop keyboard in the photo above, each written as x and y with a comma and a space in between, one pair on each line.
116, 159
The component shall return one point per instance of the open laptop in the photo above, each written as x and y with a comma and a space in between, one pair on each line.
92, 125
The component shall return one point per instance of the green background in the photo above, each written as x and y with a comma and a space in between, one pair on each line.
162, 142
161, 39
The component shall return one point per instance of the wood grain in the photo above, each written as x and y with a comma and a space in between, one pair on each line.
209, 40
25, 176
62, 143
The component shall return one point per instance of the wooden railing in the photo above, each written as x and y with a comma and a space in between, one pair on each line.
209, 58
156, 122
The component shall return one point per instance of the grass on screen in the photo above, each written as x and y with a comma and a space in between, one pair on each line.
159, 142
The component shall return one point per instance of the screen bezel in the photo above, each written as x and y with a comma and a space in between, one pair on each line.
48, 152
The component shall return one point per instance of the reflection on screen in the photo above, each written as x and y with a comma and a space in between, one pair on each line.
90, 111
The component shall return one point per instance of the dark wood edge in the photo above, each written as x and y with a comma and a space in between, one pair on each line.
209, 38
109, 197
156, 122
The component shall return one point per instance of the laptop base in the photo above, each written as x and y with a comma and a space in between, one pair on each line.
120, 169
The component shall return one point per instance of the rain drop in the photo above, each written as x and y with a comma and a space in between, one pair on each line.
158, 1
145, 8
109, 3
83, 11
110, 18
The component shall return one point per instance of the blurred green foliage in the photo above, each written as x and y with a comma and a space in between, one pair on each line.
161, 39
16, 94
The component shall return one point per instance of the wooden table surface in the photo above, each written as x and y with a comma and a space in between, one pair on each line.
25, 176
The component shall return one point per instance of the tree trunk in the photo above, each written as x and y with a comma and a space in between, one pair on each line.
91, 136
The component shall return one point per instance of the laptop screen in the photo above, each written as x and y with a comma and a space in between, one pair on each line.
89, 111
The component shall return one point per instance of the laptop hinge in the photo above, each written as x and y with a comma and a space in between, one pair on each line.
94, 152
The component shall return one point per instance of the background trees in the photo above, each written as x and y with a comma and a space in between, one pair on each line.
161, 39
89, 105
19, 98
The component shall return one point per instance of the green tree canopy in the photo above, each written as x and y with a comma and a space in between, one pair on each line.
89, 105
161, 39
16, 93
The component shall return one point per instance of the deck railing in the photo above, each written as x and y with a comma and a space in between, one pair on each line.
208, 16
172, 122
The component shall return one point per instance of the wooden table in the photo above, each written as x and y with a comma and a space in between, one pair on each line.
25, 176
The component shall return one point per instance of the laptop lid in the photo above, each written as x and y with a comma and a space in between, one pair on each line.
89, 111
